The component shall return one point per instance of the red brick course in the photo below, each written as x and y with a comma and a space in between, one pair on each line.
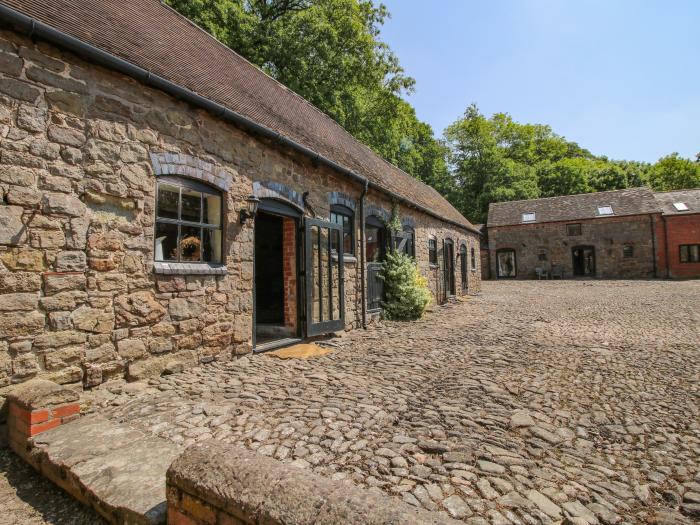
289, 272
673, 231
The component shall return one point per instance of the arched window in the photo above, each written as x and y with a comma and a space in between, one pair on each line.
463, 266
345, 217
376, 239
432, 251
188, 222
404, 241
473, 257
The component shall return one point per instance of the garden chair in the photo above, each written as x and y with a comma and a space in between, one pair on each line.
540, 272
557, 272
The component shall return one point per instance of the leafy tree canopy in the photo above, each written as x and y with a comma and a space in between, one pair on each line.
330, 52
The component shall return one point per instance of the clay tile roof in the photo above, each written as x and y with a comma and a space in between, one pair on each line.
632, 201
152, 36
667, 199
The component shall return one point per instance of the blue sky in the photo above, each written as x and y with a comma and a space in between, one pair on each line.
620, 77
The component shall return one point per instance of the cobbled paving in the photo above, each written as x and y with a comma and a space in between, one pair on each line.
535, 402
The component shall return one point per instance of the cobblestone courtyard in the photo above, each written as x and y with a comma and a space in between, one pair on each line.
529, 403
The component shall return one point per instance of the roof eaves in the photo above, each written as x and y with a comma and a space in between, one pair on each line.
36, 28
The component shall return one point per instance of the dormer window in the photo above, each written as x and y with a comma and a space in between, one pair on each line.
605, 210
680, 206
529, 216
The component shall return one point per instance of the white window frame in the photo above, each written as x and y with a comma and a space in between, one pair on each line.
602, 211
681, 206
529, 216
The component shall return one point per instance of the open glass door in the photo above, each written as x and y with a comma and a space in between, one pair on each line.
325, 307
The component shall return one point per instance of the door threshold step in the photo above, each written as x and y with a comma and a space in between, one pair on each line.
278, 343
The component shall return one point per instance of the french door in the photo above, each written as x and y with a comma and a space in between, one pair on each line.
325, 293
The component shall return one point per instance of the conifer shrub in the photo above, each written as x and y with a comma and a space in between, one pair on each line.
405, 289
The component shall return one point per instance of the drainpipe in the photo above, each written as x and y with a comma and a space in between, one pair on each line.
668, 262
363, 277
653, 244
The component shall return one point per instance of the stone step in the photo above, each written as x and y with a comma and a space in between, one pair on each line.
112, 467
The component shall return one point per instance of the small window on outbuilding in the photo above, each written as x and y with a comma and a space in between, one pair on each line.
404, 241
605, 210
473, 259
432, 251
188, 222
542, 256
573, 230
628, 251
689, 253
529, 216
344, 216
680, 206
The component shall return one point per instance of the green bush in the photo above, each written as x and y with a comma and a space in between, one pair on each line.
405, 289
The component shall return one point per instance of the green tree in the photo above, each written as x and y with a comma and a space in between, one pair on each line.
330, 52
673, 172
406, 293
568, 176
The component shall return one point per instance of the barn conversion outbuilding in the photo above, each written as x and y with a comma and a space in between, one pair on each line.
166, 203
630, 233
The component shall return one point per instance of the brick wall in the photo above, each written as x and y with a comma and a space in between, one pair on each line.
676, 230
35, 407
608, 236
289, 254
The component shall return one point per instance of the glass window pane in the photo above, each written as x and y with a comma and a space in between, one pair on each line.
347, 243
315, 276
684, 253
335, 281
212, 246
695, 252
211, 213
372, 243
166, 242
190, 244
191, 205
168, 196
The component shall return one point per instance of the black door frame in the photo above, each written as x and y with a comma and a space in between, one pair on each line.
281, 209
372, 268
448, 253
583, 247
464, 270
329, 325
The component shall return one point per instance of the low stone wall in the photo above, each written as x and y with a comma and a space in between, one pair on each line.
35, 407
217, 484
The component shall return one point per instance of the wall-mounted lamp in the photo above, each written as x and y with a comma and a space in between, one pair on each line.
250, 210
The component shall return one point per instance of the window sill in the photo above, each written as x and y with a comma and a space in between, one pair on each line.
346, 258
175, 268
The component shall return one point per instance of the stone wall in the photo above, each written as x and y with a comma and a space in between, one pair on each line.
81, 148
608, 236
425, 228
224, 484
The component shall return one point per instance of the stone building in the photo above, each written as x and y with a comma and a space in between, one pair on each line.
605, 235
165, 203
679, 233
